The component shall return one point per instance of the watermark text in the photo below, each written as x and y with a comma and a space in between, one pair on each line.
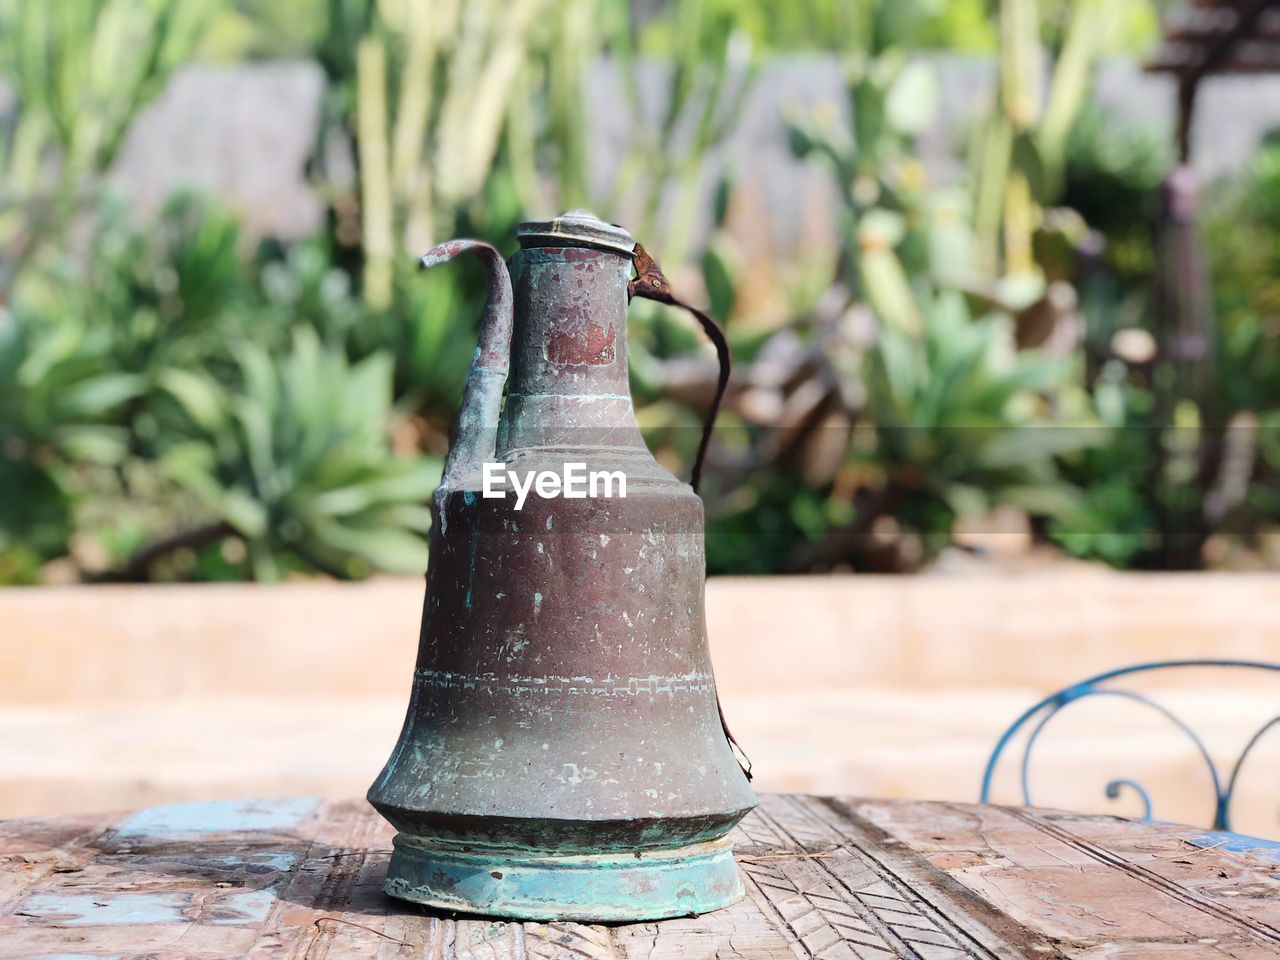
574, 483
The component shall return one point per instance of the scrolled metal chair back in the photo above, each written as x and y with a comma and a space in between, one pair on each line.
1038, 716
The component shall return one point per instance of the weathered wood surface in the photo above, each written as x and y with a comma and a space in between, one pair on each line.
826, 878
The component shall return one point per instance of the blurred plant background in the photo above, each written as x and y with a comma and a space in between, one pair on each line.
970, 363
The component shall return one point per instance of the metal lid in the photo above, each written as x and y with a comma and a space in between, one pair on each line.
577, 228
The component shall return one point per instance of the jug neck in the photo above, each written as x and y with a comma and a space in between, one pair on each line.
571, 327
569, 381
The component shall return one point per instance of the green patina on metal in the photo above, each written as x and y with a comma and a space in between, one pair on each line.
645, 885
563, 754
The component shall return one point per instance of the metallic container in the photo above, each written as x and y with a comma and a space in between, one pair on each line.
563, 755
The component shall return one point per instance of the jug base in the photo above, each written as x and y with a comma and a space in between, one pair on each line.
533, 885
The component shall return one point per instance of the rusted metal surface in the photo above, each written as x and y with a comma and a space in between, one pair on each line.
825, 878
562, 754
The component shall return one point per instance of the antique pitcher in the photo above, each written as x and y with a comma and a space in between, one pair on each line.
563, 755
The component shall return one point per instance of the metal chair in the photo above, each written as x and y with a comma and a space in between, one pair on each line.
1050, 706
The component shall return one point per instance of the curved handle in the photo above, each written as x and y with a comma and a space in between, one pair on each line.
475, 430
651, 284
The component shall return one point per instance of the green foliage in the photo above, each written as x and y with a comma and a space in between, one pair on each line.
282, 29
293, 456
758, 526
429, 332
1111, 177
167, 373
260, 28
96, 345
81, 72
87, 350
835, 25
1020, 151
175, 406
711, 72
304, 283
34, 514
1114, 517
432, 84
1242, 236
962, 418
959, 414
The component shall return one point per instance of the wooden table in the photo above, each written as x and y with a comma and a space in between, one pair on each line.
828, 878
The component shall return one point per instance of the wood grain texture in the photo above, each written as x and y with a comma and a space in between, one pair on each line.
826, 878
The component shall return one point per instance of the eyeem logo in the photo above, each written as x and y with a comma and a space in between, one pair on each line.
575, 483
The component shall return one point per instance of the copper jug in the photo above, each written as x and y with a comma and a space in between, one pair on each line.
563, 755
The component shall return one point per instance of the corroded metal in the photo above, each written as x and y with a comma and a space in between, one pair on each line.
577, 228
562, 755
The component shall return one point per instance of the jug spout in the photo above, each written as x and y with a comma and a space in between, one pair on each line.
475, 431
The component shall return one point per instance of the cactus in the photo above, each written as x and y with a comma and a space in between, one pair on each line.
426, 151
1021, 150
957, 408
375, 172
702, 103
